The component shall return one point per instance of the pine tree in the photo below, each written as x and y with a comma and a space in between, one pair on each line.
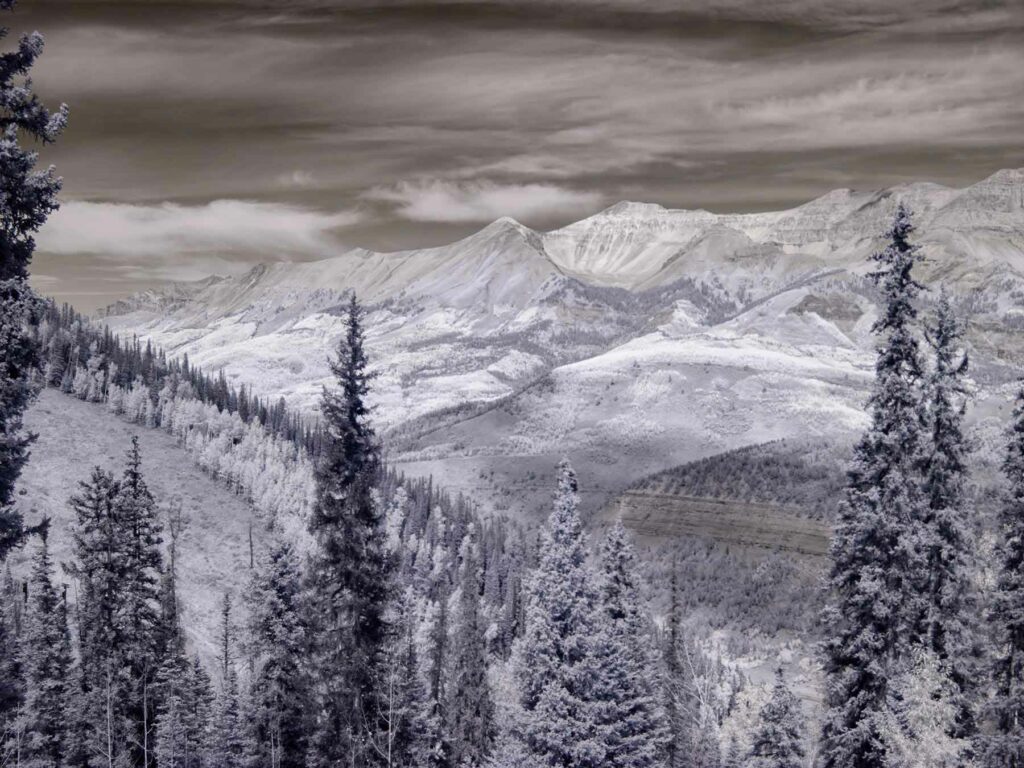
1004, 746
778, 742
349, 571
27, 197
227, 735
876, 574
675, 747
470, 709
139, 614
12, 683
635, 726
101, 693
951, 607
557, 660
46, 649
277, 637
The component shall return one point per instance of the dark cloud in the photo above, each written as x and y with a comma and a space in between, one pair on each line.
429, 117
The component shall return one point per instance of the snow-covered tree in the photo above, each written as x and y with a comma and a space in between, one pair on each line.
557, 659
876, 574
1003, 747
924, 711
469, 707
951, 617
634, 723
778, 741
138, 615
27, 197
349, 573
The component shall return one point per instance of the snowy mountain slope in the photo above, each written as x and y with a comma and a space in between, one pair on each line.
633, 340
213, 554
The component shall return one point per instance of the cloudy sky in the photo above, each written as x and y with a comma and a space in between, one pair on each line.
206, 136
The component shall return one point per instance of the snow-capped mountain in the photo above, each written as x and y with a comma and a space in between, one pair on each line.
634, 340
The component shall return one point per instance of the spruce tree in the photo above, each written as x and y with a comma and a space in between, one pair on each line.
27, 197
557, 657
139, 612
876, 573
949, 540
277, 638
100, 548
349, 573
636, 732
778, 741
1004, 745
46, 649
470, 709
675, 720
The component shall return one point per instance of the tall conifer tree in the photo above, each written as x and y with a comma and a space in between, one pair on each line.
277, 637
558, 663
949, 538
470, 709
349, 572
46, 649
27, 197
636, 732
1004, 746
876, 573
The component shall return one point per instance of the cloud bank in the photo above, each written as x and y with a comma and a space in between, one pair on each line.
224, 228
482, 201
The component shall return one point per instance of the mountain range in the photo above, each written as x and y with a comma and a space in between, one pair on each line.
632, 341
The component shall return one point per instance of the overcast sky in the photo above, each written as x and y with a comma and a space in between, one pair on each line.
208, 136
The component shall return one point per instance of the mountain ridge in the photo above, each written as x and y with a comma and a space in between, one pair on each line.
635, 339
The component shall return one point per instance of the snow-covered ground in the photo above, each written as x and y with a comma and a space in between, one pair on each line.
213, 554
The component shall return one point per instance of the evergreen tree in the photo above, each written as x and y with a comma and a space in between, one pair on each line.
101, 694
920, 728
675, 746
876, 574
27, 197
470, 709
12, 688
277, 637
778, 742
557, 659
349, 570
636, 729
1004, 746
139, 613
227, 743
46, 649
951, 608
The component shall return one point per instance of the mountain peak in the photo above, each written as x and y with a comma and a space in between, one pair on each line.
504, 224
629, 208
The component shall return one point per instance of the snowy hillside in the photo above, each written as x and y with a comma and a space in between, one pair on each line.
213, 553
634, 340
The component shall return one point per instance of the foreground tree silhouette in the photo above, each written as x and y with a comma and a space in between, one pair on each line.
27, 197
349, 571
876, 576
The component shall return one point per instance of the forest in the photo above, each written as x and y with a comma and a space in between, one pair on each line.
392, 624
